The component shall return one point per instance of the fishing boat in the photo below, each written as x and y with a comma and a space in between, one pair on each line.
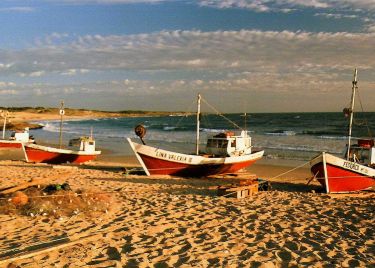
17, 138
353, 172
227, 152
46, 154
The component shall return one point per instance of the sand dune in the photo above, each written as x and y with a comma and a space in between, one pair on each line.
174, 222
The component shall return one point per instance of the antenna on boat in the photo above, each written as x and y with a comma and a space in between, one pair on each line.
198, 122
62, 112
354, 87
4, 114
245, 117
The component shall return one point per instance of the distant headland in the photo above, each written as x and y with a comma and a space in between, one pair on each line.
22, 117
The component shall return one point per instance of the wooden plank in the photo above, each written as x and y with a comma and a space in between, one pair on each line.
241, 175
24, 185
241, 188
46, 250
33, 182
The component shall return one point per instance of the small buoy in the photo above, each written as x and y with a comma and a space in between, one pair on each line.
19, 199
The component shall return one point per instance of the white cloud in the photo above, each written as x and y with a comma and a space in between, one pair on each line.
4, 66
7, 84
371, 28
71, 72
336, 16
221, 49
179, 62
80, 2
37, 74
279, 5
18, 9
8, 92
38, 92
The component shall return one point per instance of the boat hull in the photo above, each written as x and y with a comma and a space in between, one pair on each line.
50, 155
161, 162
9, 144
338, 175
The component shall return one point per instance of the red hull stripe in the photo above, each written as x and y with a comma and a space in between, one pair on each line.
163, 167
342, 180
7, 144
40, 156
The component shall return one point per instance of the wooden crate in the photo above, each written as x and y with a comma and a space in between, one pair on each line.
238, 191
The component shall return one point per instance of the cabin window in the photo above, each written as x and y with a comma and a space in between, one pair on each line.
233, 143
91, 143
223, 144
362, 156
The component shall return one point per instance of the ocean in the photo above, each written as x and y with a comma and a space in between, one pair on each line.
296, 136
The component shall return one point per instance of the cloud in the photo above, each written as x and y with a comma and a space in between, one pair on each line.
277, 63
7, 84
32, 74
17, 9
200, 50
5, 66
279, 5
371, 28
106, 2
336, 16
8, 92
72, 72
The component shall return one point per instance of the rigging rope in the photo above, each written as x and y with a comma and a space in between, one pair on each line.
219, 114
365, 121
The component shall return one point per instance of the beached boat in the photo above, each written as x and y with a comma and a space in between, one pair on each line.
17, 138
356, 170
45, 154
227, 152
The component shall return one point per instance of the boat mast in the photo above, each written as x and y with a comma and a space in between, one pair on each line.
354, 87
4, 114
198, 122
62, 112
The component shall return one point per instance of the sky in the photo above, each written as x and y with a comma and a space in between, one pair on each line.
241, 55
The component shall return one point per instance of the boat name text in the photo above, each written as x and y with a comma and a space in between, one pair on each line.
351, 165
175, 157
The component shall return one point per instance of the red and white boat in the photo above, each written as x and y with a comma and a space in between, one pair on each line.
44, 154
225, 153
355, 171
17, 138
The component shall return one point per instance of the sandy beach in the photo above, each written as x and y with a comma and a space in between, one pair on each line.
173, 222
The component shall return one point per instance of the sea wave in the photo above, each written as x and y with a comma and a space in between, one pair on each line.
282, 133
51, 127
326, 137
212, 130
169, 128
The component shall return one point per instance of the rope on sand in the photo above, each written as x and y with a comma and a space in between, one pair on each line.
286, 172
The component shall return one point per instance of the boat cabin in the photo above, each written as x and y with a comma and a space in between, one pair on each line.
86, 144
363, 152
229, 144
22, 136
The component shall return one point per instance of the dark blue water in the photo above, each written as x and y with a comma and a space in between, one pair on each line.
281, 135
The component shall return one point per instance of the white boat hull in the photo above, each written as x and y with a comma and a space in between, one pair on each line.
157, 161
